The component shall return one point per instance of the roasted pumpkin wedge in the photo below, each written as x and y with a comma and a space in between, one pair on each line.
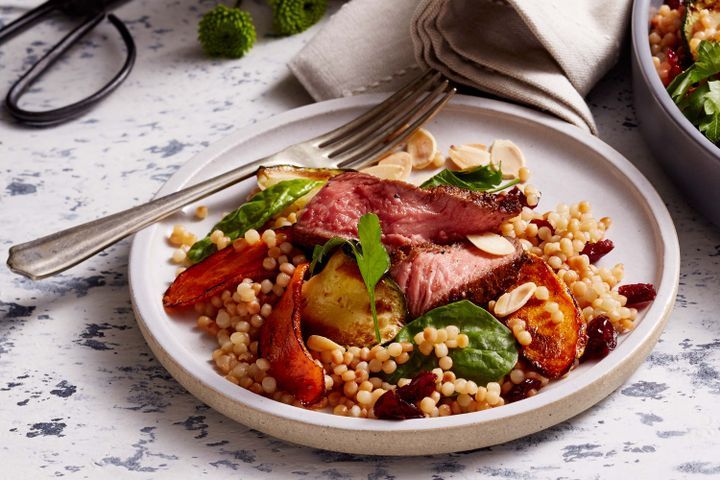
222, 270
555, 346
282, 345
337, 305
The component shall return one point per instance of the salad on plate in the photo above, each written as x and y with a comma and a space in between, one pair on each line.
365, 295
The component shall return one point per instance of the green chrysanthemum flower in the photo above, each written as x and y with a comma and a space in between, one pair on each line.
226, 32
294, 16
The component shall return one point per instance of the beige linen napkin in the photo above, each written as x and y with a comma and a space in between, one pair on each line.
544, 53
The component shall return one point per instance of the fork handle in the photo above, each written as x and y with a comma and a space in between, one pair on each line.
54, 253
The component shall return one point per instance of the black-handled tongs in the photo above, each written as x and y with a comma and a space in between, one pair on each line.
92, 12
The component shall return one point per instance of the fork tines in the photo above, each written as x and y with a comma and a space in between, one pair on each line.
369, 136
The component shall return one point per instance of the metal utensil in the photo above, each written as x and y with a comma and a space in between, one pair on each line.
92, 12
355, 144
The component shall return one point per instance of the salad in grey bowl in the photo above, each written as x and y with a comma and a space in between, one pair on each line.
676, 84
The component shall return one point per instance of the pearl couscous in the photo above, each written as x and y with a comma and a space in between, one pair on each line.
666, 41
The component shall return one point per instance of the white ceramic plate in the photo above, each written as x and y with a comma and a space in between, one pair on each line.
568, 166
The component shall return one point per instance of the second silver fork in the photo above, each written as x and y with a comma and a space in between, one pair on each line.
354, 145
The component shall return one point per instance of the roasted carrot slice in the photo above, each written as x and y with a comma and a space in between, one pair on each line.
222, 270
555, 346
281, 343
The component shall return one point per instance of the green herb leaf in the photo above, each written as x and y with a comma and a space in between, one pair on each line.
710, 124
707, 65
370, 254
321, 252
486, 178
682, 83
254, 214
373, 260
708, 62
491, 354
698, 99
693, 104
710, 127
711, 105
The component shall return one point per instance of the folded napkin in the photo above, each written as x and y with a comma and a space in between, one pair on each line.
544, 53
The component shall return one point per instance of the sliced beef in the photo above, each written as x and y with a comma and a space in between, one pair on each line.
434, 275
408, 215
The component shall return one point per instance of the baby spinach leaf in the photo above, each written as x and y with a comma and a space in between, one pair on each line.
253, 214
486, 178
491, 354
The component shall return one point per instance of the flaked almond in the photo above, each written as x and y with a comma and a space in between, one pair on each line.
386, 171
322, 344
509, 156
438, 160
514, 300
492, 243
464, 157
481, 146
422, 147
402, 159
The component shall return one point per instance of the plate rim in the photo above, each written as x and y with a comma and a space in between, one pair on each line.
287, 424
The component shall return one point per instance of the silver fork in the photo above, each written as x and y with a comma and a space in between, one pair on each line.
356, 144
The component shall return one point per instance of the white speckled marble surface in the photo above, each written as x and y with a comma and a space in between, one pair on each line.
81, 396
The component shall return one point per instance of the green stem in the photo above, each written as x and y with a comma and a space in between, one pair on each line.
371, 294
503, 187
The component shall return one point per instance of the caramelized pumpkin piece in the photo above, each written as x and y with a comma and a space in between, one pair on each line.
281, 343
222, 270
555, 346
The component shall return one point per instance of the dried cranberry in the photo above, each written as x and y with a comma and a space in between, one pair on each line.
595, 251
671, 56
684, 60
518, 194
400, 404
390, 407
521, 390
637, 293
674, 61
420, 387
674, 4
541, 222
602, 338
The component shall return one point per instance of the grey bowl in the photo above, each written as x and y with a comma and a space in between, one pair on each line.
691, 160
